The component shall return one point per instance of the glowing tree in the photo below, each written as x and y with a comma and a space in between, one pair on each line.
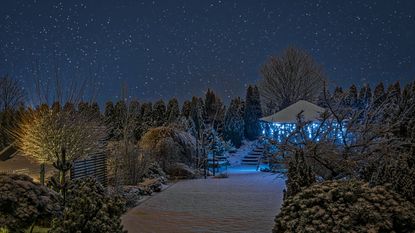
59, 138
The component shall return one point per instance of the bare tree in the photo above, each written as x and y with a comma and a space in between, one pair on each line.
291, 77
11, 93
59, 138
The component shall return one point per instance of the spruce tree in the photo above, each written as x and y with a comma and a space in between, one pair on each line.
213, 110
338, 95
172, 112
252, 113
196, 114
379, 94
186, 109
135, 118
365, 97
159, 113
234, 122
351, 98
109, 117
120, 112
146, 117
299, 175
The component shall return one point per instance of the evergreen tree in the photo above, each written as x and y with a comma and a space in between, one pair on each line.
196, 114
379, 94
69, 107
95, 111
120, 113
146, 117
56, 106
338, 95
351, 98
322, 99
234, 123
135, 118
252, 113
109, 117
172, 112
213, 110
299, 175
83, 106
159, 113
186, 109
365, 96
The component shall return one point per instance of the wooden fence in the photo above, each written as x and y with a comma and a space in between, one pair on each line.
94, 166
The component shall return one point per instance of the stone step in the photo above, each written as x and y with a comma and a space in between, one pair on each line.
249, 163
252, 157
255, 153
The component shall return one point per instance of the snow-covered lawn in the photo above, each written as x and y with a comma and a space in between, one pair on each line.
247, 201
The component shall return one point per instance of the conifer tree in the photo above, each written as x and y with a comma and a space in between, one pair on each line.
135, 118
379, 94
213, 113
120, 112
159, 113
146, 117
351, 98
186, 109
109, 117
365, 96
299, 175
338, 94
252, 113
172, 112
234, 123
196, 114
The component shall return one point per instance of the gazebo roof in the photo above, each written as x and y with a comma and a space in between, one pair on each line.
289, 114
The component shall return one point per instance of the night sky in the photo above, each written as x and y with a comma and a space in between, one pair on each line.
177, 48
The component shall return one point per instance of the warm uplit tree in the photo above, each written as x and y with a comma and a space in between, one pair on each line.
59, 138
291, 77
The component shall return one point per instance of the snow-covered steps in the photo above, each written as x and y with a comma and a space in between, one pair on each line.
253, 157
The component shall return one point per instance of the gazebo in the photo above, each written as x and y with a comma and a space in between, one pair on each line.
279, 125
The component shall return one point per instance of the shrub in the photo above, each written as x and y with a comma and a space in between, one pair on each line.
23, 201
89, 209
168, 146
345, 206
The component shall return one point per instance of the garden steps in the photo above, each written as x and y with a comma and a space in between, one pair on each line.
254, 156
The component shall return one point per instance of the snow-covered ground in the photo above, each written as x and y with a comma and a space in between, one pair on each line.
246, 201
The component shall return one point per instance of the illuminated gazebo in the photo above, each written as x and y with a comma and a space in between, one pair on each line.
279, 125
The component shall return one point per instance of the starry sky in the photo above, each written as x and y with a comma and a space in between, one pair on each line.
179, 48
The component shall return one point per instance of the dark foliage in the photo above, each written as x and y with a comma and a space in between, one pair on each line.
252, 113
234, 123
89, 210
23, 201
345, 206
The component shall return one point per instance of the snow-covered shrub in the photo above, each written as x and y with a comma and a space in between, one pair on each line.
89, 209
168, 146
22, 202
345, 206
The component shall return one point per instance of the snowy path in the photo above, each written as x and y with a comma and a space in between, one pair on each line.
246, 202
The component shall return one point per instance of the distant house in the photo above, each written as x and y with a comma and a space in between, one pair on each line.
281, 124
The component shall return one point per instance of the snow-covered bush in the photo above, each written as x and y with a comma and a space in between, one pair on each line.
345, 206
22, 202
168, 146
89, 209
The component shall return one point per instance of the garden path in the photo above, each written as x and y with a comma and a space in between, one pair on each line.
247, 201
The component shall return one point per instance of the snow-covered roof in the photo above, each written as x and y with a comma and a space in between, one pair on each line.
289, 114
